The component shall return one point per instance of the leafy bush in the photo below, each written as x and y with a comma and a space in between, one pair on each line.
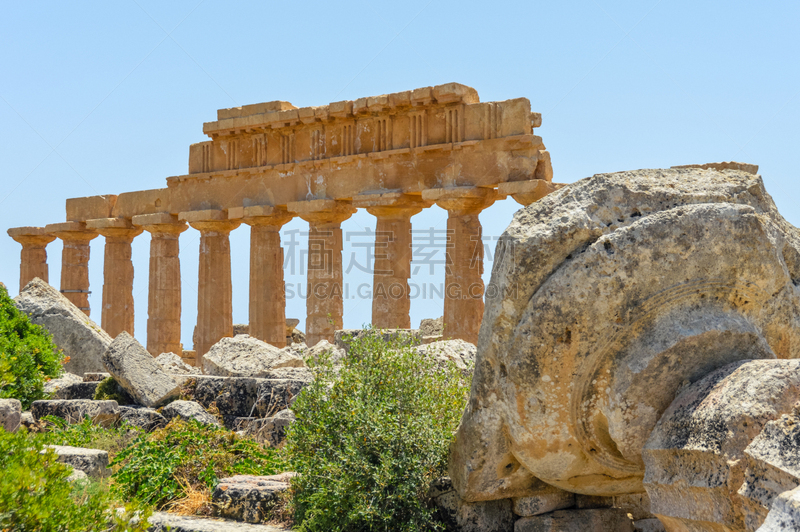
109, 389
371, 435
28, 356
164, 465
35, 494
87, 434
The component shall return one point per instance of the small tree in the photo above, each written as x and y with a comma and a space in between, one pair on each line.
371, 435
28, 356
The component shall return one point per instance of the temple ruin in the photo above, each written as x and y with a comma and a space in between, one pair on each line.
393, 155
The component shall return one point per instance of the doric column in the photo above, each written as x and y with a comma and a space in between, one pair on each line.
267, 292
463, 286
214, 291
392, 268
324, 305
74, 261
117, 314
164, 286
33, 258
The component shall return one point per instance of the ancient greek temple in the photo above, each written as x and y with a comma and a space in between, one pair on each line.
266, 163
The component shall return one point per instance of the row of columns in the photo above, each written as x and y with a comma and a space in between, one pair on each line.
463, 304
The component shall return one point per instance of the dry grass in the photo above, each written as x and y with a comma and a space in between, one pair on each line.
282, 514
196, 501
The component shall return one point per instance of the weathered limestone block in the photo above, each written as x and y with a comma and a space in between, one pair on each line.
596, 520
316, 351
695, 458
431, 327
247, 498
461, 516
233, 396
28, 421
635, 504
10, 414
105, 413
147, 419
648, 525
135, 369
93, 462
77, 475
167, 522
187, 410
784, 516
458, 352
95, 376
77, 390
81, 339
174, 365
543, 498
274, 395
773, 466
245, 356
608, 296
53, 385
269, 430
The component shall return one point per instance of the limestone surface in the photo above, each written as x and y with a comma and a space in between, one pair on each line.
167, 522
81, 339
105, 413
93, 462
245, 356
695, 458
459, 515
335, 353
67, 378
76, 390
187, 410
542, 499
135, 369
457, 352
601, 520
784, 516
174, 365
607, 297
147, 419
247, 498
10, 414
270, 431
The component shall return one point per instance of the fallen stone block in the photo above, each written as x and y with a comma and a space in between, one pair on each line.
773, 467
274, 395
461, 516
187, 410
543, 498
637, 505
431, 327
695, 457
10, 414
53, 385
233, 396
245, 356
77, 475
166, 522
93, 462
147, 419
269, 431
784, 515
456, 352
648, 525
28, 421
599, 520
334, 353
104, 413
138, 373
247, 498
77, 390
174, 365
81, 339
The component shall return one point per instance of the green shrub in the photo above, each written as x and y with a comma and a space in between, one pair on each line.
159, 468
36, 496
371, 436
109, 389
88, 434
27, 355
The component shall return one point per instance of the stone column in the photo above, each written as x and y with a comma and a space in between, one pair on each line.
324, 305
463, 298
74, 261
267, 292
33, 258
214, 291
391, 304
117, 314
164, 288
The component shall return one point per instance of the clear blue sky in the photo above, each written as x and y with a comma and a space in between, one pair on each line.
105, 97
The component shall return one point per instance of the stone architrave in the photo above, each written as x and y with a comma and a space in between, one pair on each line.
391, 301
117, 314
463, 287
267, 292
616, 292
164, 287
214, 290
324, 305
74, 261
33, 258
